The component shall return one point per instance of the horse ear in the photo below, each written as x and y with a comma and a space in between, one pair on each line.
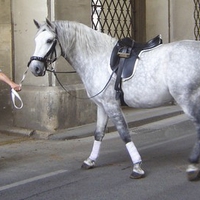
36, 23
50, 24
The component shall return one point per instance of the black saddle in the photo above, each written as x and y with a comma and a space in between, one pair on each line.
123, 58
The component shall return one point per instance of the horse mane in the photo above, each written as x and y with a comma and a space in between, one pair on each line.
76, 35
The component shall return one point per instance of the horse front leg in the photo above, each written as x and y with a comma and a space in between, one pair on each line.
99, 133
119, 121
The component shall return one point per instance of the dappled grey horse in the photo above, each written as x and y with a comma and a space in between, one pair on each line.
167, 72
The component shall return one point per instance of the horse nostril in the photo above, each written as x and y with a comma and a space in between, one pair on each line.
37, 70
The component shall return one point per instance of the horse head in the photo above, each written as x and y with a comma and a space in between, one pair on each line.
47, 48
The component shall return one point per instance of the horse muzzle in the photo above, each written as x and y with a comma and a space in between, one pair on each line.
37, 68
37, 65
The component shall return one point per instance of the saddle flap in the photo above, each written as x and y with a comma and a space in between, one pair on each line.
128, 66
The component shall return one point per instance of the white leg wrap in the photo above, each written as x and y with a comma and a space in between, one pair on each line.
133, 152
95, 150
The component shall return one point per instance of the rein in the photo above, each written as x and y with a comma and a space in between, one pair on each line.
47, 60
55, 74
15, 96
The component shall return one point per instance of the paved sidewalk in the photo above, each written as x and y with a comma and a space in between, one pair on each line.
134, 117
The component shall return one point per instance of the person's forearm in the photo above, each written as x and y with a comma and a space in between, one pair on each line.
4, 78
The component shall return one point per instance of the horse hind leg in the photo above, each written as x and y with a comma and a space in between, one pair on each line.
193, 172
99, 133
137, 161
188, 98
193, 111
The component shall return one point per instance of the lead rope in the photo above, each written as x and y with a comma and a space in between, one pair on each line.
15, 96
91, 97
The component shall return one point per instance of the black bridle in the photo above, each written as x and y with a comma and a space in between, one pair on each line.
48, 58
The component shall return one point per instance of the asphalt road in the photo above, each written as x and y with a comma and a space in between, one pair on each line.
50, 170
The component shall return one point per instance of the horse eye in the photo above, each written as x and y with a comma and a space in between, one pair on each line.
49, 41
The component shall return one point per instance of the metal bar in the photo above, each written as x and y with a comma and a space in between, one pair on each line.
113, 17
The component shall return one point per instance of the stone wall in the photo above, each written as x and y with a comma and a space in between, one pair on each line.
47, 107
5, 54
172, 19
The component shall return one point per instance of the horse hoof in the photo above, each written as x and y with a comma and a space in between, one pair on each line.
193, 176
137, 172
193, 173
135, 175
88, 164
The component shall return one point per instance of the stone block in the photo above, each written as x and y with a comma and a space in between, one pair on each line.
5, 13
5, 39
51, 108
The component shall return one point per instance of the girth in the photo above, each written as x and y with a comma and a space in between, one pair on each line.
123, 58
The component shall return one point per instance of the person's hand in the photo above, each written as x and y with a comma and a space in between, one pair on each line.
16, 87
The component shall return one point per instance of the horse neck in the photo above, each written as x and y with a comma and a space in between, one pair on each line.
81, 44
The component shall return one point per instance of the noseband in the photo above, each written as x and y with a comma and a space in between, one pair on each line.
47, 59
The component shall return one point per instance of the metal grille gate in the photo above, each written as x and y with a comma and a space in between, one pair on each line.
197, 19
114, 17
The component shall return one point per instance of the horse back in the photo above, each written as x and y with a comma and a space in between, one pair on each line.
169, 67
